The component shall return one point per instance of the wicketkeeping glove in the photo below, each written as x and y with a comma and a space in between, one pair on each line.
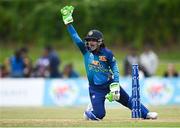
67, 14
114, 93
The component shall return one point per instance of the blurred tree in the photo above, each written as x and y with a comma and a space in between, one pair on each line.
122, 21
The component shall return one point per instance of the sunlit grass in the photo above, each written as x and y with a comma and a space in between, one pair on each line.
73, 117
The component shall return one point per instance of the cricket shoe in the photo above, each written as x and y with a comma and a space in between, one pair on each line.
89, 108
152, 115
85, 116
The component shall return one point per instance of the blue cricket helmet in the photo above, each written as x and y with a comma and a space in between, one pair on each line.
94, 35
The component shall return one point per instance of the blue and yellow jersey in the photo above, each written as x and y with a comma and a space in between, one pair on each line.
101, 68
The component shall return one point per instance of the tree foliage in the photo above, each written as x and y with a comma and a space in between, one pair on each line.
122, 21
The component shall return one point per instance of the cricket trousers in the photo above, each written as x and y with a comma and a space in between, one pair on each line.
97, 97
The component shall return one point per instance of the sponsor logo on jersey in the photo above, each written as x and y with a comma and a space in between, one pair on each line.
95, 62
102, 58
97, 67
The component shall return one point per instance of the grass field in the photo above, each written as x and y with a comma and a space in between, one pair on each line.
72, 117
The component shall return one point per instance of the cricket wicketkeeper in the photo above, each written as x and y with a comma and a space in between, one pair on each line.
102, 71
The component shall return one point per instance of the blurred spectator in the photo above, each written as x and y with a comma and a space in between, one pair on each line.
148, 61
42, 66
3, 71
16, 63
69, 72
131, 58
54, 62
171, 71
7, 66
27, 62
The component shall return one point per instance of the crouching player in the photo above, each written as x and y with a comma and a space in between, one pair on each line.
102, 72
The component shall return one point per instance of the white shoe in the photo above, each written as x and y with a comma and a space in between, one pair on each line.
85, 116
152, 115
89, 108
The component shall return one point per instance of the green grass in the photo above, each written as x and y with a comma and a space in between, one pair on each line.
73, 55
72, 117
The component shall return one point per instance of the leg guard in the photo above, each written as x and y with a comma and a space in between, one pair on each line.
127, 102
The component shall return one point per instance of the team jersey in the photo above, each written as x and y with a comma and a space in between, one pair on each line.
101, 67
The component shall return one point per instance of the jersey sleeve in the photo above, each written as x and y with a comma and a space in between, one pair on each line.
76, 39
114, 67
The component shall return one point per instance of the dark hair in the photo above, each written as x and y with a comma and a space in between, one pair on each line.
102, 45
48, 48
24, 49
17, 54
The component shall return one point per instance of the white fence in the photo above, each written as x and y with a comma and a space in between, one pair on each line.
70, 92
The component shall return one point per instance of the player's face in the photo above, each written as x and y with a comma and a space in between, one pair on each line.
92, 44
